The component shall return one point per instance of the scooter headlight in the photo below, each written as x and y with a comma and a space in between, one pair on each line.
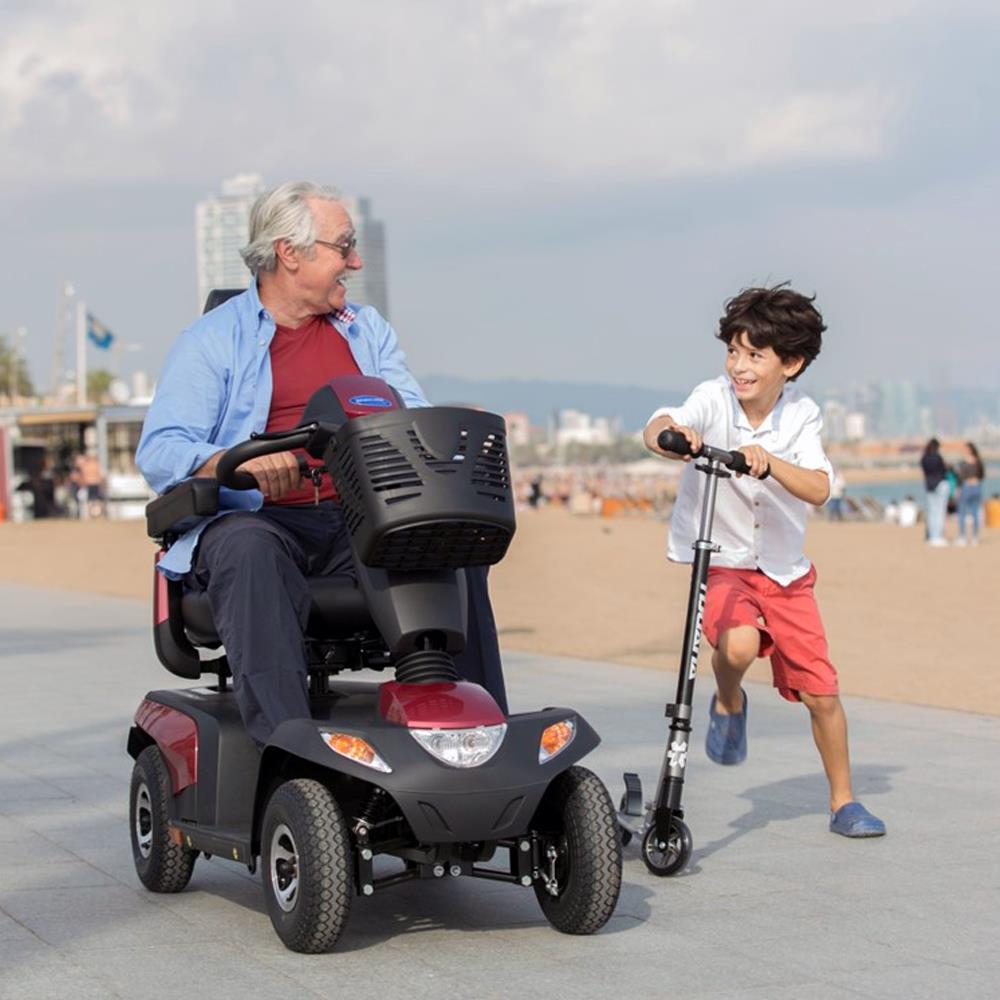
356, 749
555, 739
462, 747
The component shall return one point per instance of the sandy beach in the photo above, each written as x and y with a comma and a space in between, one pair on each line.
906, 623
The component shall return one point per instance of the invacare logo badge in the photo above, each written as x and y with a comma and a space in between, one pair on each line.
379, 402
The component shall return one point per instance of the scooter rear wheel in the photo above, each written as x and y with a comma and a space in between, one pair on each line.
667, 857
162, 865
588, 858
308, 868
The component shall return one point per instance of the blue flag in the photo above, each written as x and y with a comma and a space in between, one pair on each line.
98, 333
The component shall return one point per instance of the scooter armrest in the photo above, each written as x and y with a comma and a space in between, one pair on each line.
181, 507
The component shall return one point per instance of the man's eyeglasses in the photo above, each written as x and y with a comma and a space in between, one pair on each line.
344, 247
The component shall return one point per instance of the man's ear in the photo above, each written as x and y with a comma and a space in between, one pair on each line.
793, 366
287, 254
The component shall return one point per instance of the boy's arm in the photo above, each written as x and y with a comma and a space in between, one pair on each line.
666, 423
808, 477
687, 419
810, 485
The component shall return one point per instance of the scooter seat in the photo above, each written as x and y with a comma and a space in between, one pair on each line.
338, 612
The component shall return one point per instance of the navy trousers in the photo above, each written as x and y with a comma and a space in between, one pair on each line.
254, 565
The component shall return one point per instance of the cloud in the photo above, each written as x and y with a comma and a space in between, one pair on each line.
501, 91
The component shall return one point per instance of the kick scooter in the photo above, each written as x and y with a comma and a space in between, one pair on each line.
666, 839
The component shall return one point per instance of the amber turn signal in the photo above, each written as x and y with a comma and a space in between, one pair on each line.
555, 739
356, 749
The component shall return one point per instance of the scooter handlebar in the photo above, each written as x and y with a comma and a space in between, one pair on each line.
226, 471
675, 442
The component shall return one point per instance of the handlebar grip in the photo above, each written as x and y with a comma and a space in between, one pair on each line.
738, 463
674, 442
226, 472
677, 444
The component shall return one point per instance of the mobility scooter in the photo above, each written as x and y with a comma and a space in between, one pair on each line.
665, 840
424, 768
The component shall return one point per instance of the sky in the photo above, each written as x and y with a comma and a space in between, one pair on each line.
571, 188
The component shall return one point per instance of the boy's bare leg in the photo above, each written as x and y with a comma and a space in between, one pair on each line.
738, 648
829, 726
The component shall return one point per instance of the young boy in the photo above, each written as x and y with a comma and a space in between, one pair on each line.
760, 599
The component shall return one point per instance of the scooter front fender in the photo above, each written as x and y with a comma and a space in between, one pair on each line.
441, 803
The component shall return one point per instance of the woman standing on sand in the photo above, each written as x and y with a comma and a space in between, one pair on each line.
970, 478
936, 482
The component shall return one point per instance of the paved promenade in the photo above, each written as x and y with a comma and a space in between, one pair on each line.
772, 907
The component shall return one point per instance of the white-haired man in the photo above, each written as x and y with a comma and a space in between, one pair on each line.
251, 365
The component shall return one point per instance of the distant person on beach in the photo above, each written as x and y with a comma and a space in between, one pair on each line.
970, 474
760, 599
938, 488
535, 493
837, 488
88, 478
909, 512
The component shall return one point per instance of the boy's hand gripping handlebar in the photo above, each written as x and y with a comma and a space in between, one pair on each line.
678, 444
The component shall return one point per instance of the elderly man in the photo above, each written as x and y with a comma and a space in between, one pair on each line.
251, 365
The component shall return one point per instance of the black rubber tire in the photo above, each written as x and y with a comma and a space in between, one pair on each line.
324, 865
165, 866
589, 869
673, 857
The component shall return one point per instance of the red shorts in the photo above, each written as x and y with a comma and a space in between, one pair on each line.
791, 632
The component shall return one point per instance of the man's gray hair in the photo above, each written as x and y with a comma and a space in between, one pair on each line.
283, 213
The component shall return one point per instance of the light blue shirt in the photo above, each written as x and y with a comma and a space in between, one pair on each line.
215, 391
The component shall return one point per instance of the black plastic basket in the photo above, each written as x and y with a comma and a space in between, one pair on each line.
425, 488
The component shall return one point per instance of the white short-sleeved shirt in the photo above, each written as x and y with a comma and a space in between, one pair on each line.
758, 524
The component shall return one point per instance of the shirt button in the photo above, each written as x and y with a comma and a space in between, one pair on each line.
756, 524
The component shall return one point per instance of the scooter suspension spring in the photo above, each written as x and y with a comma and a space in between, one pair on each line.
426, 666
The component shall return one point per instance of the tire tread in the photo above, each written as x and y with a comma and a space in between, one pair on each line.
587, 903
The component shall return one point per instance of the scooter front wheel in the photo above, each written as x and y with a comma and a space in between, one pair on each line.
308, 866
583, 858
667, 857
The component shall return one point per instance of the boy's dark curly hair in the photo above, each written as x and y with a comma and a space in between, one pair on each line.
779, 318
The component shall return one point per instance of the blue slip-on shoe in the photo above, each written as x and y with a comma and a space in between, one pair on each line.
854, 820
726, 740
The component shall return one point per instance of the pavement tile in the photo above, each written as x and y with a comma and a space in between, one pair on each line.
41, 973
62, 874
923, 981
89, 917
194, 969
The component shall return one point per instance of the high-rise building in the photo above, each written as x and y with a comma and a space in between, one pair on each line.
369, 286
221, 225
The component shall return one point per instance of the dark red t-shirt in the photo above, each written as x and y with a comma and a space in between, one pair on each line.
302, 360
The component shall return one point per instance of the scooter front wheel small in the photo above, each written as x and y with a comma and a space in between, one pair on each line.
308, 869
667, 857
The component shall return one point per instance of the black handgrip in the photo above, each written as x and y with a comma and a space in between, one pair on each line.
674, 442
738, 462
226, 472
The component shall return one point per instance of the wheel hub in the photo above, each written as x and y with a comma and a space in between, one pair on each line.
143, 821
284, 867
